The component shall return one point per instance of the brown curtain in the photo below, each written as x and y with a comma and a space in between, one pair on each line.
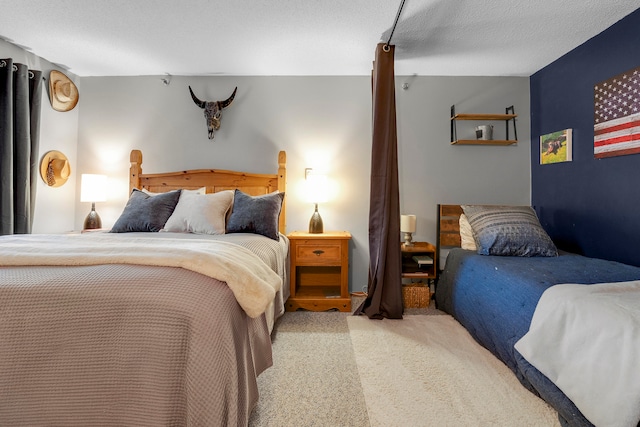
384, 297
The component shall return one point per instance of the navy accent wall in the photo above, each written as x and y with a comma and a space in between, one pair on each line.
589, 206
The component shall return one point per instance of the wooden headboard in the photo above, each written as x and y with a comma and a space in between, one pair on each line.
448, 228
213, 179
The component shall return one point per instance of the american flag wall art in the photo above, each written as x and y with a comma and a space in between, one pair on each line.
617, 115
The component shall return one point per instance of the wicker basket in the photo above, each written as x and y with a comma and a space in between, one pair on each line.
416, 295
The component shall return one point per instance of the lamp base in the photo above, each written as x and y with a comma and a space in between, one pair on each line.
315, 224
92, 221
408, 239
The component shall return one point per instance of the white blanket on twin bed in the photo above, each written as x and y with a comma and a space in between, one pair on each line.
586, 339
252, 282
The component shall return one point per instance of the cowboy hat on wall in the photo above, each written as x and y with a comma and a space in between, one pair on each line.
63, 93
55, 168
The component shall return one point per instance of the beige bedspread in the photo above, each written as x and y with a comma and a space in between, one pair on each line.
125, 344
253, 283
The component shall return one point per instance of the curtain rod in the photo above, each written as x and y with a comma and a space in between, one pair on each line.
386, 46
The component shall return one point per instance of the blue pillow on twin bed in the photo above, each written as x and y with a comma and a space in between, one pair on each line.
508, 231
146, 213
256, 214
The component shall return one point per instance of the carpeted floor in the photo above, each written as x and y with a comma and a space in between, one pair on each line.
314, 378
329, 369
428, 371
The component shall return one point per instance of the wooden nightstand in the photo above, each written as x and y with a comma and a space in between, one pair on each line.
410, 268
319, 275
417, 294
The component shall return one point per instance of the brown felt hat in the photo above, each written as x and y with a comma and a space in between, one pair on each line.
55, 168
63, 93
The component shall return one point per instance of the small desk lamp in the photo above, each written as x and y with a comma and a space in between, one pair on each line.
93, 189
316, 193
408, 226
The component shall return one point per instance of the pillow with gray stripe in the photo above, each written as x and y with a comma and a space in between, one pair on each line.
508, 231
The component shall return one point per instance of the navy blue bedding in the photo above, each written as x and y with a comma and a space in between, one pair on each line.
494, 298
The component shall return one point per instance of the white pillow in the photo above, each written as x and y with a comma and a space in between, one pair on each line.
201, 190
200, 213
466, 234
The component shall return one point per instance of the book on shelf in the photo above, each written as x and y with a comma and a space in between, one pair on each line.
423, 260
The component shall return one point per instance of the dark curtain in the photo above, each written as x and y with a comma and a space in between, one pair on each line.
384, 297
20, 99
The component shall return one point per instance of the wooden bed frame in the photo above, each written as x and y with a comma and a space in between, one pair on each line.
448, 228
213, 179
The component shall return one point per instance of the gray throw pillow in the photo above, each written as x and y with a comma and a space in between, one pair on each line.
508, 231
146, 213
256, 214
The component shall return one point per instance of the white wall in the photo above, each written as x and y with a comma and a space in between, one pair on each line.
433, 171
55, 207
321, 122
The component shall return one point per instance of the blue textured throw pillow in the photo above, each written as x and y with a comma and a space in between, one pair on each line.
256, 214
508, 231
146, 213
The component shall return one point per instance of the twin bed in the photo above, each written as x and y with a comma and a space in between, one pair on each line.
499, 300
148, 328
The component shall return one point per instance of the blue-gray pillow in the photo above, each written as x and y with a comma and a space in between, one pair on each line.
146, 213
508, 231
256, 214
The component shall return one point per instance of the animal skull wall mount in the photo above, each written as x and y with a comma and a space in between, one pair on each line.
213, 110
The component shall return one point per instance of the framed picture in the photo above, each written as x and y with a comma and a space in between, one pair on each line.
555, 147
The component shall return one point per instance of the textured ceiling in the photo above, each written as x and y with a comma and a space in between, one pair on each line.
303, 37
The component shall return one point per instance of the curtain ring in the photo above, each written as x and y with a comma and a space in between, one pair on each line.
3, 63
15, 67
31, 75
386, 47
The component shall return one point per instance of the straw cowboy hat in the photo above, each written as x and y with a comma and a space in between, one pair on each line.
55, 168
63, 93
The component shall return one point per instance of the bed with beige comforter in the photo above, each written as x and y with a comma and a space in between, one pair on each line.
106, 329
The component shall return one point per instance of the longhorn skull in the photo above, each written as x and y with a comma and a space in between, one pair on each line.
213, 110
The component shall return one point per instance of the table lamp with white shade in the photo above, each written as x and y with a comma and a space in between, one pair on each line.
408, 226
93, 188
316, 191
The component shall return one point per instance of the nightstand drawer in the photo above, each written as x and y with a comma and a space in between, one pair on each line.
324, 253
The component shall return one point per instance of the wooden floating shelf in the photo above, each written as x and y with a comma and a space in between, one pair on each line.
508, 116
484, 116
484, 142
